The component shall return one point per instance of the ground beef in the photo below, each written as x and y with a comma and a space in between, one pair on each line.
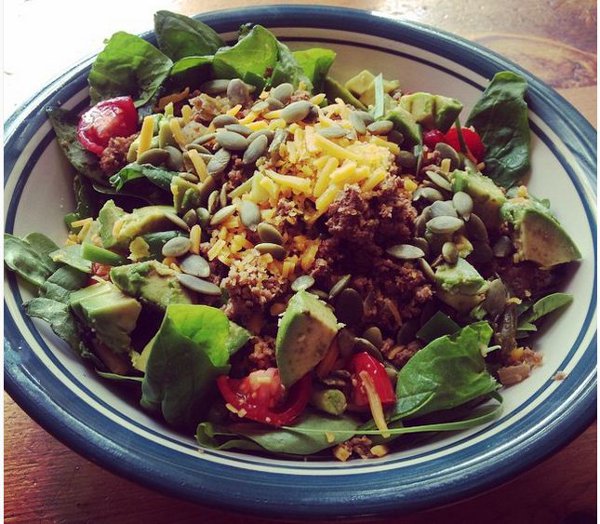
360, 446
399, 354
114, 157
263, 353
526, 280
237, 175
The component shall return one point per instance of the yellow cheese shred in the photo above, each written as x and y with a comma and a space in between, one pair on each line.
374, 404
146, 135
199, 165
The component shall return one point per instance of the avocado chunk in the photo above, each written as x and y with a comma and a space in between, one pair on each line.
334, 89
111, 314
405, 123
305, 333
461, 278
537, 234
359, 83
151, 282
487, 196
109, 214
432, 111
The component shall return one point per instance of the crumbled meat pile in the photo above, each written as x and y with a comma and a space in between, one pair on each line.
114, 157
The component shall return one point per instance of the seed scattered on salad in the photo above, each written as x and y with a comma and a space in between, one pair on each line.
292, 251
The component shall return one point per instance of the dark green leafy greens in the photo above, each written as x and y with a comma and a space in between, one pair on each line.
158, 176
544, 306
288, 69
28, 257
500, 118
315, 63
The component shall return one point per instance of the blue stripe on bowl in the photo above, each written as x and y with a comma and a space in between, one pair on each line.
89, 433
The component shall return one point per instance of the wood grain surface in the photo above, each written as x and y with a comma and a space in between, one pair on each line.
47, 482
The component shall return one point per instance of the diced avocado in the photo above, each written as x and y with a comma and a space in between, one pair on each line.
487, 196
305, 333
107, 217
537, 234
359, 83
111, 314
405, 124
460, 302
186, 195
432, 111
334, 89
368, 97
461, 278
151, 282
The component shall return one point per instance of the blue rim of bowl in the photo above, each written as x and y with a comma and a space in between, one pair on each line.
45, 398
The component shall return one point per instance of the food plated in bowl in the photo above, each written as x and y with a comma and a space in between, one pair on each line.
349, 297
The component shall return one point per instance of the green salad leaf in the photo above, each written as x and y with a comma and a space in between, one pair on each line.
287, 69
238, 336
187, 355
315, 63
180, 36
87, 201
191, 71
128, 65
28, 257
158, 176
500, 117
72, 256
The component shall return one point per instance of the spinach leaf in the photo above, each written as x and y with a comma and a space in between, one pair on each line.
30, 261
250, 59
238, 336
288, 69
315, 63
60, 284
120, 378
128, 65
500, 118
87, 202
446, 373
188, 353
437, 326
71, 256
180, 36
58, 315
190, 71
543, 307
64, 124
158, 176
212, 436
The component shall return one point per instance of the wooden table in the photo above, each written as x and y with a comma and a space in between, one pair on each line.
47, 482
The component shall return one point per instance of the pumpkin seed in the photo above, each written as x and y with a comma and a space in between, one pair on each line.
249, 214
203, 216
175, 160
374, 336
274, 104
426, 213
428, 193
237, 91
426, 269
391, 372
463, 203
255, 150
380, 127
240, 129
283, 92
165, 135
444, 224
223, 196
204, 138
190, 177
349, 307
195, 265
405, 252
259, 107
154, 156
262, 132
450, 253
232, 141
439, 180
302, 283
176, 247
339, 286
345, 341
269, 234
214, 87
364, 345
199, 148
395, 136
495, 298
475, 229
422, 244
174, 219
503, 247
443, 208
420, 225
358, 123
447, 151
319, 293
207, 187
406, 333
333, 132
296, 111
406, 159
279, 138
197, 284
277, 251
242, 189
132, 152
367, 118
213, 202
219, 161
191, 217
224, 120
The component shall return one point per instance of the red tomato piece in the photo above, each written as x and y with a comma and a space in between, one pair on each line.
472, 141
99, 270
107, 119
261, 397
433, 137
383, 385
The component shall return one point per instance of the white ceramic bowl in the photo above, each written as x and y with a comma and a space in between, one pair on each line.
541, 414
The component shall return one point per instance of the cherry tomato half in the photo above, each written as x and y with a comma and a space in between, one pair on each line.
107, 119
383, 386
472, 141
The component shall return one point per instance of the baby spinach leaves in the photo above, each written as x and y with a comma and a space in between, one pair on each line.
534, 312
500, 118
158, 176
315, 63
28, 257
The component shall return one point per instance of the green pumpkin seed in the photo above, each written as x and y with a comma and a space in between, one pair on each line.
450, 253
363, 345
358, 123
380, 127
406, 159
174, 219
262, 132
428, 193
422, 244
255, 150
495, 298
503, 247
203, 216
345, 341
232, 141
207, 187
439, 180
198, 285
349, 307
175, 160
223, 120
195, 265
395, 136
190, 177
277, 251
237, 91
443, 208
447, 151
426, 269
333, 132
367, 118
476, 230
219, 161
283, 92
165, 135
391, 372
463, 203
269, 234
319, 293
199, 148
155, 157
223, 196
302, 283
204, 138
274, 104
339, 286
249, 214
374, 336
191, 218
213, 202
444, 225
279, 138
176, 247
259, 107
405, 252
296, 111
420, 225
214, 87
239, 129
